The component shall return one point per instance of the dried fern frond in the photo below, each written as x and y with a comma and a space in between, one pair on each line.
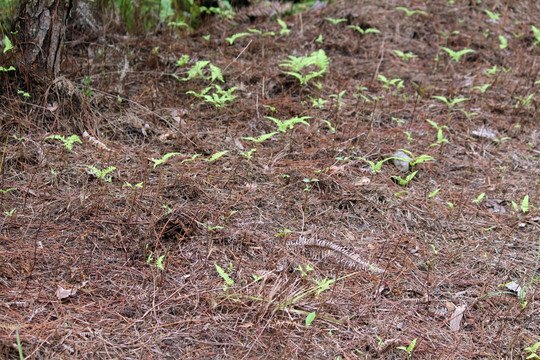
95, 142
339, 253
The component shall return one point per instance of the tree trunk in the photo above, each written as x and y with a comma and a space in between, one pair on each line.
40, 27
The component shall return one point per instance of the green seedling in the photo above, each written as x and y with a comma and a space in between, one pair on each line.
503, 42
165, 157
7, 45
257, 278
434, 193
215, 73
468, 115
416, 160
201, 94
450, 102
225, 218
271, 108
482, 88
492, 71
319, 39
10, 212
284, 232
196, 70
216, 156
446, 36
398, 120
304, 272
68, 142
411, 12
249, 154
206, 37
409, 349
526, 102
456, 55
500, 140
259, 32
102, 174
409, 136
376, 167
219, 98
297, 64
317, 103
289, 124
86, 90
261, 138
397, 82
338, 98
407, 180
23, 93
310, 317
168, 209
136, 186
536, 33
479, 198
284, 30
335, 21
159, 262
329, 124
3, 69
224, 11
364, 31
225, 276
492, 16
4, 192
323, 284
440, 137
236, 36
532, 350
405, 56
190, 159
177, 24
524, 206
361, 89
308, 186
209, 227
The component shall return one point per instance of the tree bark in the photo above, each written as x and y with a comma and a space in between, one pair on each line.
40, 27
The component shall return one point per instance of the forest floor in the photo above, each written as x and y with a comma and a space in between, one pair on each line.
172, 231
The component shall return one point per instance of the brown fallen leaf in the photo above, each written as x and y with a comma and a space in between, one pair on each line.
457, 316
62, 293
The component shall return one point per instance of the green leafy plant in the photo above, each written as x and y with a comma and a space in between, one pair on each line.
409, 349
536, 33
524, 206
405, 56
310, 317
376, 166
184, 59
479, 198
224, 10
503, 42
7, 190
7, 44
317, 103
456, 55
284, 30
319, 39
407, 180
297, 64
364, 31
416, 159
397, 82
289, 124
225, 276
164, 158
249, 154
23, 93
10, 212
218, 98
236, 36
492, 16
335, 21
338, 98
209, 227
482, 88
411, 12
450, 102
261, 138
525, 102
216, 156
532, 350
102, 174
284, 232
440, 137
67, 142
